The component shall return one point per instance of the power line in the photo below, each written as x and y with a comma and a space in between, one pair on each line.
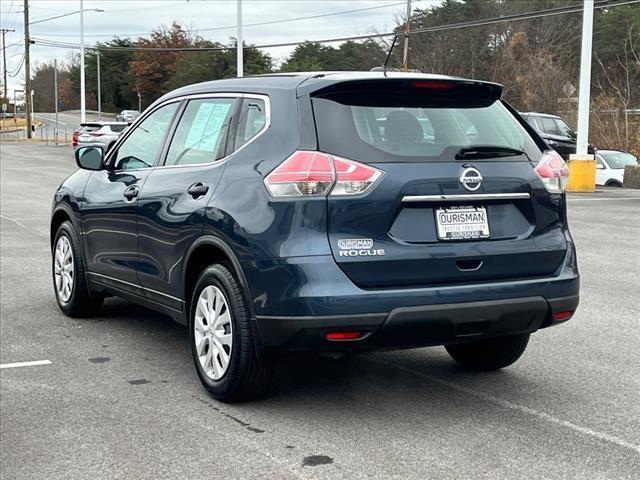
17, 70
270, 22
472, 23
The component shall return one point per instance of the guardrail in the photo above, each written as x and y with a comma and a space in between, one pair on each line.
45, 133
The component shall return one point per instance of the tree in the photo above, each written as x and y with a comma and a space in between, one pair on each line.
116, 84
308, 57
195, 67
617, 85
69, 99
42, 84
152, 72
313, 56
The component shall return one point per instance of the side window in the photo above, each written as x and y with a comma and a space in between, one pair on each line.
549, 126
142, 147
201, 135
253, 118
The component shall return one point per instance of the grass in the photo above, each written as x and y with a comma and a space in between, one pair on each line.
10, 123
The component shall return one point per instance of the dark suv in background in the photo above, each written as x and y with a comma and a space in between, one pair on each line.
327, 211
556, 132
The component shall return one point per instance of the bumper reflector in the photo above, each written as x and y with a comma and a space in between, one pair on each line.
561, 316
338, 336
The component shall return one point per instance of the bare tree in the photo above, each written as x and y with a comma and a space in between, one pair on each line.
616, 91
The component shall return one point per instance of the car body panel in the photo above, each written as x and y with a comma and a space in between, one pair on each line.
169, 221
109, 224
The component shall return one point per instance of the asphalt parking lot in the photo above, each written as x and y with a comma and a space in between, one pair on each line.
121, 398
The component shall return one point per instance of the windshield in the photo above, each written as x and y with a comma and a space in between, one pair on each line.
403, 131
619, 159
564, 129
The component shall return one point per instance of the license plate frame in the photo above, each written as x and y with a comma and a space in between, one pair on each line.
462, 223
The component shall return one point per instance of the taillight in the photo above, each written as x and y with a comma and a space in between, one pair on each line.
307, 173
353, 178
553, 172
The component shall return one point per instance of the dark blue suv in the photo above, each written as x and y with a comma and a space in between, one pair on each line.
327, 211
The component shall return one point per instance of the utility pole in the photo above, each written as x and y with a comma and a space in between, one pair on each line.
99, 94
83, 109
240, 45
55, 94
407, 29
4, 59
27, 69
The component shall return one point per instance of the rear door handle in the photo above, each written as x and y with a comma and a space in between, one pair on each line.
198, 189
131, 192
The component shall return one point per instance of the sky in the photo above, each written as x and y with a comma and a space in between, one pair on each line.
134, 18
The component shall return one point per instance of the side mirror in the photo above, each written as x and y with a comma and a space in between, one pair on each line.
599, 166
90, 158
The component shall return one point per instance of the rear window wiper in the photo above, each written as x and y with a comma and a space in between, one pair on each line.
487, 151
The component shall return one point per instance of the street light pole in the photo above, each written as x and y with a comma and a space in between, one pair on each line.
585, 78
55, 96
239, 46
83, 113
99, 94
582, 166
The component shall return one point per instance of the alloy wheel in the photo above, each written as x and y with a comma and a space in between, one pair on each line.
63, 269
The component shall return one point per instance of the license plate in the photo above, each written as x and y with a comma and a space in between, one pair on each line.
462, 223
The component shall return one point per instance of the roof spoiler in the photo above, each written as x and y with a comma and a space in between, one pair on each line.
425, 91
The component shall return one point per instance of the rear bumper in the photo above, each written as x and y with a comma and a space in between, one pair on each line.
416, 326
296, 301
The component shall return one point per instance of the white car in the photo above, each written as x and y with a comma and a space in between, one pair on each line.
103, 134
128, 116
610, 167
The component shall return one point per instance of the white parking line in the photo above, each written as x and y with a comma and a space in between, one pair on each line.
521, 408
25, 364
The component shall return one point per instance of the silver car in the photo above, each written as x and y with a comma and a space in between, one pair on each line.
128, 116
102, 134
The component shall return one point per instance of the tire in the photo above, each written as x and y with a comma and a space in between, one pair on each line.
490, 354
613, 183
77, 300
247, 375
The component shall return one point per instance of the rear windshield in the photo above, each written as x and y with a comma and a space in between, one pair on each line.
402, 128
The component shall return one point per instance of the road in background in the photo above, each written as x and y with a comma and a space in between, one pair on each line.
121, 398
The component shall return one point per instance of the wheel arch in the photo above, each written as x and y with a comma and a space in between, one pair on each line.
205, 251
61, 214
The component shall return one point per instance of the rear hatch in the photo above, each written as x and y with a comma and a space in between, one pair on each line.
89, 132
458, 199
